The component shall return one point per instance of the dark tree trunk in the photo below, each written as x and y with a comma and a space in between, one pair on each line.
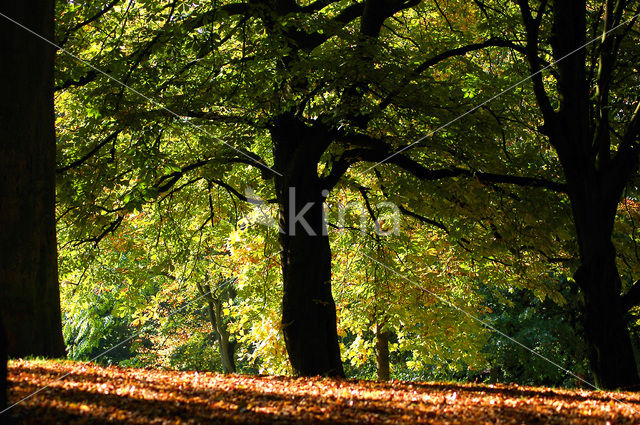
382, 354
29, 293
308, 309
595, 187
594, 199
610, 350
596, 176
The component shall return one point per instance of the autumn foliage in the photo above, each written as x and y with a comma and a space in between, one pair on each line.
99, 395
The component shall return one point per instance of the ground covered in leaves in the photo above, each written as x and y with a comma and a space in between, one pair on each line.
97, 395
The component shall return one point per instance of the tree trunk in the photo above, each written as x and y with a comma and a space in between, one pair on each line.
595, 183
610, 350
382, 354
308, 308
29, 292
594, 201
226, 346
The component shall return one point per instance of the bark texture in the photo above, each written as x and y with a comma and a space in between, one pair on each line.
29, 293
595, 188
308, 308
226, 346
596, 174
382, 354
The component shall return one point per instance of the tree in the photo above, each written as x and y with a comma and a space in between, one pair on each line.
29, 296
592, 120
223, 291
315, 89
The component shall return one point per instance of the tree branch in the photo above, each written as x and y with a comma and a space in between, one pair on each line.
370, 149
89, 154
166, 182
87, 21
632, 297
167, 31
532, 27
375, 12
309, 41
458, 51
82, 81
423, 219
239, 195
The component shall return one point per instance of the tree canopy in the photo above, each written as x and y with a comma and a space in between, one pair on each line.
483, 149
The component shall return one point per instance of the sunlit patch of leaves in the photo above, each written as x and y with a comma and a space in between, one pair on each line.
94, 394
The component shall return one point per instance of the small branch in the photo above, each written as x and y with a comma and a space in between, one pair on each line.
532, 27
110, 228
87, 21
423, 219
632, 297
89, 154
82, 81
239, 195
166, 182
372, 214
459, 51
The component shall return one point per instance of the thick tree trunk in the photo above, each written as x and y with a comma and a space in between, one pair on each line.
382, 354
594, 205
594, 196
595, 184
29, 292
308, 308
610, 350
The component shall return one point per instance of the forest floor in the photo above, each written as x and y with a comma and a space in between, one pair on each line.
91, 394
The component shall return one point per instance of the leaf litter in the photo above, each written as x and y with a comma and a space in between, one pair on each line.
93, 394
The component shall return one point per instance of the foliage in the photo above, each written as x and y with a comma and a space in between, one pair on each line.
542, 325
149, 203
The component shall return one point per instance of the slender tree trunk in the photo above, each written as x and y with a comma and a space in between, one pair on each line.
226, 346
308, 308
382, 354
29, 292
